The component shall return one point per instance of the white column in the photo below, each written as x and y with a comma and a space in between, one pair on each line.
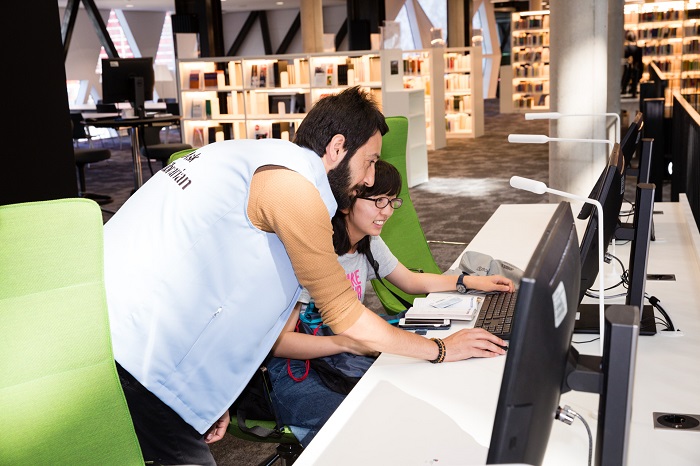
311, 26
578, 84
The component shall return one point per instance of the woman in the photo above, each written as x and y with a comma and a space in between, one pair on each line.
302, 399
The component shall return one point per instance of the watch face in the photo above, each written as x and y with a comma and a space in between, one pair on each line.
460, 286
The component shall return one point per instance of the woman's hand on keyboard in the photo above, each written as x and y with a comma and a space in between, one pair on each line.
489, 283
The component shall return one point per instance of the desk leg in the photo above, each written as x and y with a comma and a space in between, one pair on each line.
138, 176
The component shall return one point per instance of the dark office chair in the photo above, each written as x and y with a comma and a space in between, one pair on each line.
153, 149
81, 131
87, 156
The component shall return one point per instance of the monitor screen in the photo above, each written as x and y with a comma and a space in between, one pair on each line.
631, 139
119, 80
609, 193
539, 345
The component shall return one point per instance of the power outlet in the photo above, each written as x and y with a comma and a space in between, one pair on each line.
662, 277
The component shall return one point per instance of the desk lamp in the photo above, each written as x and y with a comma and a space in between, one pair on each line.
557, 115
541, 139
538, 187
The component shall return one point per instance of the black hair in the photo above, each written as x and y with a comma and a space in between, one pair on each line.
387, 181
353, 113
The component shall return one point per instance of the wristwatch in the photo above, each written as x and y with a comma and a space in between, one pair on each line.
461, 287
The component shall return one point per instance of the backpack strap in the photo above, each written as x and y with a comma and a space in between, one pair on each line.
375, 267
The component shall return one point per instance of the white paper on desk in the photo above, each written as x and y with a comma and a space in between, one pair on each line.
465, 309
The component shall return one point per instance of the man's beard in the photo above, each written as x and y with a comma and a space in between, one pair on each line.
340, 181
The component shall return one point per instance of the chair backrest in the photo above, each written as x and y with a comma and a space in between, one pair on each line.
61, 401
150, 135
79, 128
178, 154
402, 233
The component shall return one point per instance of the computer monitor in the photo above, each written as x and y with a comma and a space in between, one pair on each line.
639, 257
630, 143
128, 80
609, 193
539, 345
542, 364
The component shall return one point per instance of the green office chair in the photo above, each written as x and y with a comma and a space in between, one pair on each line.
402, 233
258, 393
178, 154
61, 401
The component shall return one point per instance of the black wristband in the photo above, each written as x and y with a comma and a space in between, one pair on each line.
442, 352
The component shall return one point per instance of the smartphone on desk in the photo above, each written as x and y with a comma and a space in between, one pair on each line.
425, 324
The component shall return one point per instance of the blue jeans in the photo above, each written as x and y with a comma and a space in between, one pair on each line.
303, 406
163, 436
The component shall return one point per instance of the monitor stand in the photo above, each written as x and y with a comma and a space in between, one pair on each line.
588, 321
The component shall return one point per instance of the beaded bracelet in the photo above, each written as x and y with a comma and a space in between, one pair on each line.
442, 352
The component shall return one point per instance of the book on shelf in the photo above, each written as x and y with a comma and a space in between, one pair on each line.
261, 130
220, 79
283, 130
197, 108
342, 74
194, 80
303, 72
235, 74
451, 305
320, 76
215, 134
210, 79
375, 69
227, 129
211, 108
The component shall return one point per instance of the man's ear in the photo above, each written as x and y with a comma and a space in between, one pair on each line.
335, 151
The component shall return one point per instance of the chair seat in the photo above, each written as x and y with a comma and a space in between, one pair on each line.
162, 152
83, 156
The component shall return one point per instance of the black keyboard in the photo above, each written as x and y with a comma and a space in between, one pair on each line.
497, 314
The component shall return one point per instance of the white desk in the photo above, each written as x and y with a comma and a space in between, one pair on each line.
410, 412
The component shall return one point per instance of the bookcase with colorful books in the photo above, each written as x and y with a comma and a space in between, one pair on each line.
530, 60
669, 34
261, 97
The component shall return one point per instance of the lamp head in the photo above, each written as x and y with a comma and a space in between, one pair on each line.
543, 116
528, 138
526, 184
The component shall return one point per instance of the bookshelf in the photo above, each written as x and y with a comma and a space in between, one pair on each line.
239, 98
261, 97
455, 108
669, 35
530, 61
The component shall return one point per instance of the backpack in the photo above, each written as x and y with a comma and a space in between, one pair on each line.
339, 372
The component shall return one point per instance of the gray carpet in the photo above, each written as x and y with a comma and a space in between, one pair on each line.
468, 181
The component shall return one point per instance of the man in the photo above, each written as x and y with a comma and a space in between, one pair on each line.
203, 266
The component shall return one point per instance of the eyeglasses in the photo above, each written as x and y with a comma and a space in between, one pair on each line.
382, 202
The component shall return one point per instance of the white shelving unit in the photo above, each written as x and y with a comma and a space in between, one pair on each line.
530, 60
411, 104
455, 108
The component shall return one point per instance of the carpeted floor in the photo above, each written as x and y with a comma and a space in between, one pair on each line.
468, 181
